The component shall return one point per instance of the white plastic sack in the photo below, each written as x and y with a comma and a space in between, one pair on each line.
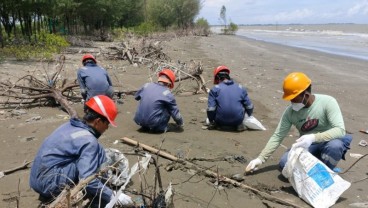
314, 182
252, 123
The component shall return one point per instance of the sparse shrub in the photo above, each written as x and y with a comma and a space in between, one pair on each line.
145, 29
202, 27
119, 33
44, 48
233, 28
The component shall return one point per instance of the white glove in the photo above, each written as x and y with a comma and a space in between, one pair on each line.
123, 200
305, 141
253, 165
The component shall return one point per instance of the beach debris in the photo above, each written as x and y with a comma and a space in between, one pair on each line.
363, 143
207, 172
30, 90
238, 177
119, 174
65, 117
17, 112
35, 118
364, 131
9, 171
203, 99
359, 204
356, 155
27, 139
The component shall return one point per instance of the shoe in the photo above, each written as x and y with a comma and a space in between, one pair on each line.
241, 127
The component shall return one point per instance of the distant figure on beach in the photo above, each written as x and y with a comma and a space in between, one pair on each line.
93, 79
157, 104
72, 153
318, 119
228, 102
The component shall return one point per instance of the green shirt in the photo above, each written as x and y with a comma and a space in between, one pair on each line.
323, 118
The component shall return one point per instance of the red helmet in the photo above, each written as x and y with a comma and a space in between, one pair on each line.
217, 70
169, 74
104, 106
88, 56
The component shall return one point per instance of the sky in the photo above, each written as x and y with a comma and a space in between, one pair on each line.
286, 11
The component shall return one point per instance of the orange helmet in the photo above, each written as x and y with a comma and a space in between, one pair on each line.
169, 74
294, 84
88, 56
217, 70
104, 106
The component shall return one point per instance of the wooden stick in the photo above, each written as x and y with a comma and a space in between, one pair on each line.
150, 149
207, 172
24, 166
364, 131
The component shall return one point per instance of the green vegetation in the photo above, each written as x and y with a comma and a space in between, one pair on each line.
25, 23
232, 28
202, 27
46, 46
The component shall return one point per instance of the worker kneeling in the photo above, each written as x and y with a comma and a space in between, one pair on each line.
72, 153
157, 104
228, 102
318, 119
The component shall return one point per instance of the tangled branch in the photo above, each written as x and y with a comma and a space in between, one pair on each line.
30, 90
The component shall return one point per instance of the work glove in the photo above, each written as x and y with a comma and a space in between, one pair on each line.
305, 141
253, 165
122, 200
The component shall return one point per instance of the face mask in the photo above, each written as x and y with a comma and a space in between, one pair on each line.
298, 106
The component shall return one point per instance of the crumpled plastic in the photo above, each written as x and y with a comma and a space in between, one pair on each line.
140, 166
117, 175
363, 143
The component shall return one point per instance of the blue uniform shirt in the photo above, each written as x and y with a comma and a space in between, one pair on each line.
227, 104
69, 154
94, 80
156, 106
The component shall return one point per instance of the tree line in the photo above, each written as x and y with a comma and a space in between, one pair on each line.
28, 18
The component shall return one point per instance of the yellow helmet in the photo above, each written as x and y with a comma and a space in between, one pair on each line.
294, 84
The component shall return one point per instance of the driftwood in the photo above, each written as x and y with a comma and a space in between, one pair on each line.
148, 54
29, 90
193, 71
184, 71
9, 171
71, 197
63, 200
207, 172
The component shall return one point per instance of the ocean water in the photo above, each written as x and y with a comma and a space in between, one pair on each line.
344, 39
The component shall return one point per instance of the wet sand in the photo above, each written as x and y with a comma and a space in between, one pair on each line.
260, 67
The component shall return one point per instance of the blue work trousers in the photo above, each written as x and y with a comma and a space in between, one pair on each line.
330, 153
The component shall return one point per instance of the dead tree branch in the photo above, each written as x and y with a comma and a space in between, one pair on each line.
9, 171
207, 172
30, 90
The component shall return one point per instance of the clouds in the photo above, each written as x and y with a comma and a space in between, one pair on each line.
292, 16
359, 8
287, 11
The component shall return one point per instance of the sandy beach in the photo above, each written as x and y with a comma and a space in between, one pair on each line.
260, 67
